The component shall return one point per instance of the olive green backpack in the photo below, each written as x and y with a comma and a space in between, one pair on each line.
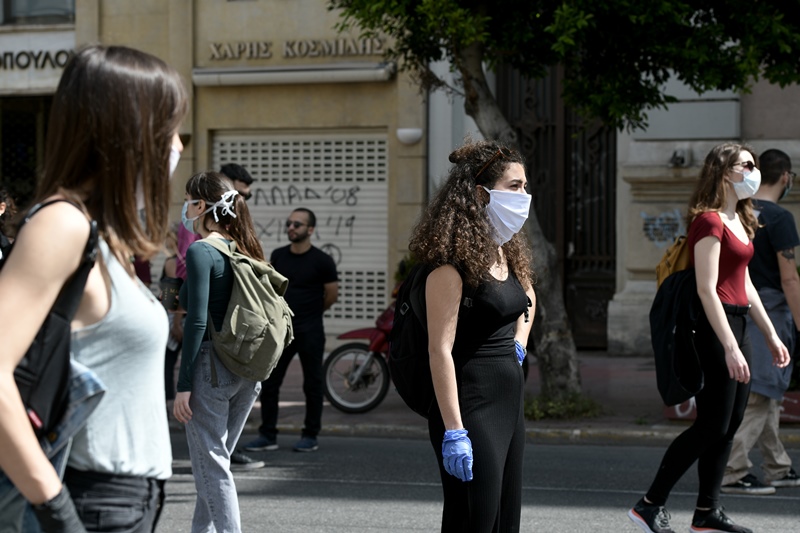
258, 322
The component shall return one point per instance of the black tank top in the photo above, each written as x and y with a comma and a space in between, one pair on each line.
488, 328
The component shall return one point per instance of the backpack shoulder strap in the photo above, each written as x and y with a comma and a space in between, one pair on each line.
219, 245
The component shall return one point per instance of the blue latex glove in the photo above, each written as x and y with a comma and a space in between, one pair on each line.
457, 454
521, 352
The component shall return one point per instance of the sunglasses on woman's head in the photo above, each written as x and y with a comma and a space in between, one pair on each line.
749, 165
504, 152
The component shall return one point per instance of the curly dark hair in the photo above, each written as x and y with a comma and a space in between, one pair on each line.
454, 229
711, 191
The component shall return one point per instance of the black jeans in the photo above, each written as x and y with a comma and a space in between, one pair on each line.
720, 408
116, 504
310, 345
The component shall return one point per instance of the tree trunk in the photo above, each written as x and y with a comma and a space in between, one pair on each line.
556, 352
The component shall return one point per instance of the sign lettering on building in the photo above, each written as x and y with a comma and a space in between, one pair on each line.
299, 48
32, 62
37, 59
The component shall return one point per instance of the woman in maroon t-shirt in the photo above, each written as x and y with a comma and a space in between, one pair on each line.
721, 226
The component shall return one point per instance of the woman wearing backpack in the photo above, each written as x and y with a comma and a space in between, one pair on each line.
211, 400
721, 227
112, 144
469, 236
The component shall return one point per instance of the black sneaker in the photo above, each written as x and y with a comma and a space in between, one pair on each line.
715, 521
240, 461
789, 480
749, 484
651, 518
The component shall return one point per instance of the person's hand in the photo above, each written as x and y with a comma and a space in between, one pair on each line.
780, 355
737, 366
457, 454
59, 515
181, 409
521, 352
176, 331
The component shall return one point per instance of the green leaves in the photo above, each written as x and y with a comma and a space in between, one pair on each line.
618, 54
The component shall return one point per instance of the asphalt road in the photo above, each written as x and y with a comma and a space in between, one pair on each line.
356, 484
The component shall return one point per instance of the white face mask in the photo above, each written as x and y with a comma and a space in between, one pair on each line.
507, 212
749, 185
174, 157
139, 194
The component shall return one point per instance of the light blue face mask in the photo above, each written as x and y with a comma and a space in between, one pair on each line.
188, 223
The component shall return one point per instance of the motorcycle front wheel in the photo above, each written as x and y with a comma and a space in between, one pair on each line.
356, 380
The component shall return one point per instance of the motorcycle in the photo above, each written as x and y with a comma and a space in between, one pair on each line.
357, 374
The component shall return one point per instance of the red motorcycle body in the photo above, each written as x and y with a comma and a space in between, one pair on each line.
378, 336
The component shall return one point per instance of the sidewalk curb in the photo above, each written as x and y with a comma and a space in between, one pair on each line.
645, 436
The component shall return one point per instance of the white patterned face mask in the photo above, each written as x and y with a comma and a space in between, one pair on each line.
225, 204
507, 212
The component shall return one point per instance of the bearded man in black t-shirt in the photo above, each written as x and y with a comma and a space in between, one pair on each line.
313, 289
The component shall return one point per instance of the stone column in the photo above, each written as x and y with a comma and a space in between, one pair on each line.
658, 196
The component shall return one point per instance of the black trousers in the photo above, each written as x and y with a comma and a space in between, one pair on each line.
115, 504
490, 393
720, 408
310, 346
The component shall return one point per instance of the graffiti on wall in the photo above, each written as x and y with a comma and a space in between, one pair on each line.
661, 229
341, 221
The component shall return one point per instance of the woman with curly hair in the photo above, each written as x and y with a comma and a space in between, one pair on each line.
721, 227
469, 236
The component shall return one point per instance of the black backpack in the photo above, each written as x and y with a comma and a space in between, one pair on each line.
673, 318
42, 375
409, 363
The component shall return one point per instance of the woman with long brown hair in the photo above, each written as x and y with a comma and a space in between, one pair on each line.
112, 144
211, 400
721, 227
470, 237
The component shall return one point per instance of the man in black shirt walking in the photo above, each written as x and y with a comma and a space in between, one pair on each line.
773, 270
313, 288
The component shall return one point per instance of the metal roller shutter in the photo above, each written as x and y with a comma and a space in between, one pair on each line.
342, 177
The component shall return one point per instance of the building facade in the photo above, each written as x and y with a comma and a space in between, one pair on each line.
315, 116
657, 169
320, 121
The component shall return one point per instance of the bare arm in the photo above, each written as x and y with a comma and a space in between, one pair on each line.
331, 294
780, 354
48, 249
442, 297
790, 282
706, 263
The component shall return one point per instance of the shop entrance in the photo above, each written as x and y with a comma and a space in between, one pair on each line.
23, 122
